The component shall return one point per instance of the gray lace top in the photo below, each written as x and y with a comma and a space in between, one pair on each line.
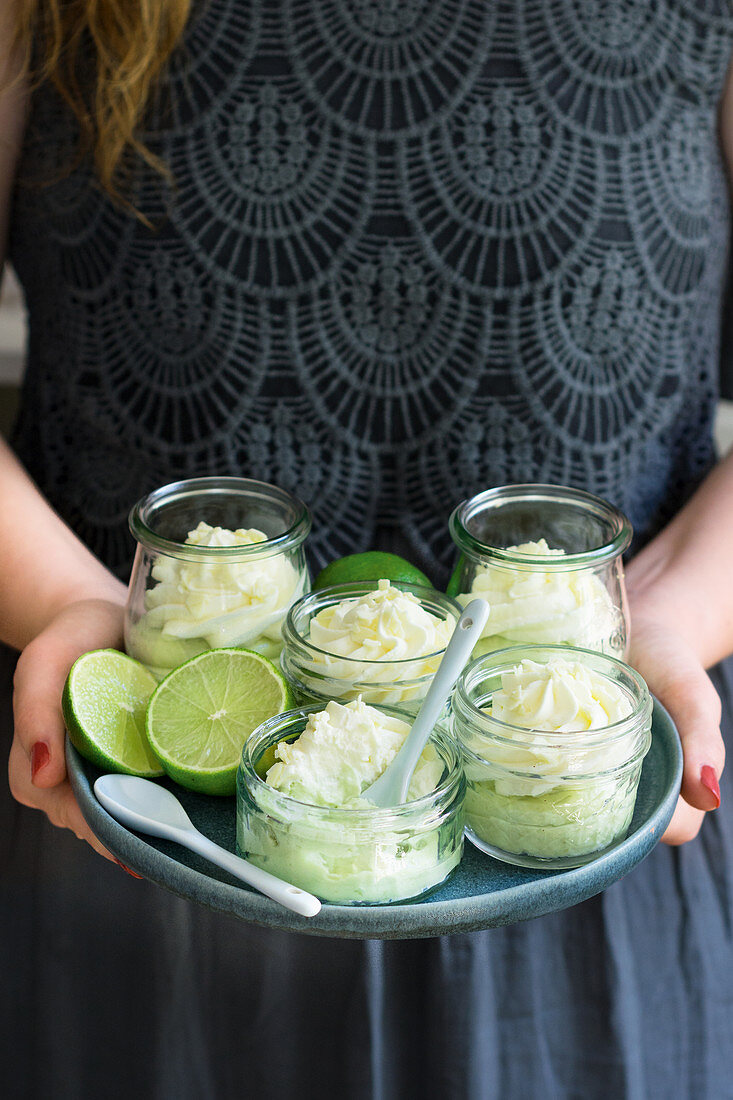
412, 250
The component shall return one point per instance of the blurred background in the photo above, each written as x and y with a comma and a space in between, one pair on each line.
12, 338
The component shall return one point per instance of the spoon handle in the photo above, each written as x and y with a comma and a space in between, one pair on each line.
283, 892
392, 786
466, 634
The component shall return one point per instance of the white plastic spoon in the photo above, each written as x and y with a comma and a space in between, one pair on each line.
392, 786
149, 808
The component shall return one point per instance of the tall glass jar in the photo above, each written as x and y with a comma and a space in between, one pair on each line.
549, 561
397, 677
219, 561
349, 855
549, 798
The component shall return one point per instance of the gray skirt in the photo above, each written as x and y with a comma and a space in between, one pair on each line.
112, 987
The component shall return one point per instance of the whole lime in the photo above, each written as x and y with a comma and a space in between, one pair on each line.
373, 565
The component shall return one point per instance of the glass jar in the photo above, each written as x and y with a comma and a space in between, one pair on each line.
185, 598
574, 596
537, 798
317, 675
362, 855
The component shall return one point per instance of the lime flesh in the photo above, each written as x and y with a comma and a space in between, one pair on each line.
201, 714
104, 703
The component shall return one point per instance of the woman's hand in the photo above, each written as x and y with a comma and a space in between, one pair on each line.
681, 599
37, 767
57, 601
675, 675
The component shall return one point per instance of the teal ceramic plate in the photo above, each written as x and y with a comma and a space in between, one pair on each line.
481, 892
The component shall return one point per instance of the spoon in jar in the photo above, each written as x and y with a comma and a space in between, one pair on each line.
392, 786
149, 808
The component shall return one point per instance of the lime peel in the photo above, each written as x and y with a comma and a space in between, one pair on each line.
372, 565
104, 702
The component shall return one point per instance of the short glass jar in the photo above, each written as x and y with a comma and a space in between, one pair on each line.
184, 598
316, 676
349, 856
575, 596
545, 799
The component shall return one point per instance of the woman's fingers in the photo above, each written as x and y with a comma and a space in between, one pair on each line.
58, 802
675, 675
685, 823
37, 765
695, 708
39, 726
40, 677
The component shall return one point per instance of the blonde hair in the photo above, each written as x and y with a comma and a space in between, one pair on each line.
105, 58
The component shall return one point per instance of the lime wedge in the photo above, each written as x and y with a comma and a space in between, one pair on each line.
201, 714
104, 703
372, 565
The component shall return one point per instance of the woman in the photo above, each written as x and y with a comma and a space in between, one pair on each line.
384, 256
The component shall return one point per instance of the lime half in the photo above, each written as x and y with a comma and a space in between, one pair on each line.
104, 702
372, 565
201, 714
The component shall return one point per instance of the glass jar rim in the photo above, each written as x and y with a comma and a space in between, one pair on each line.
289, 539
498, 730
296, 641
380, 815
531, 491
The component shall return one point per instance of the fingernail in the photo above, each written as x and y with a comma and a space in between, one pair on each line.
40, 756
709, 779
133, 873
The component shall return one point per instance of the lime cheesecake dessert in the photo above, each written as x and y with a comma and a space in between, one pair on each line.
533, 604
549, 560
383, 643
211, 604
301, 812
201, 581
553, 740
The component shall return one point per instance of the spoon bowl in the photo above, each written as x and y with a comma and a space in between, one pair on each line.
141, 804
149, 808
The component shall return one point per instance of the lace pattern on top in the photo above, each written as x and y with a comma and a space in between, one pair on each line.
413, 250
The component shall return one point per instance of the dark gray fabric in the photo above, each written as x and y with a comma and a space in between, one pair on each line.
413, 250
112, 987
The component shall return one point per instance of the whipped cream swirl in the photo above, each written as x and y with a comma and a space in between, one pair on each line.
560, 697
364, 639
223, 602
567, 606
342, 750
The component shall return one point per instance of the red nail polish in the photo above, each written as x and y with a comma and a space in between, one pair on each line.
40, 756
709, 779
127, 869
